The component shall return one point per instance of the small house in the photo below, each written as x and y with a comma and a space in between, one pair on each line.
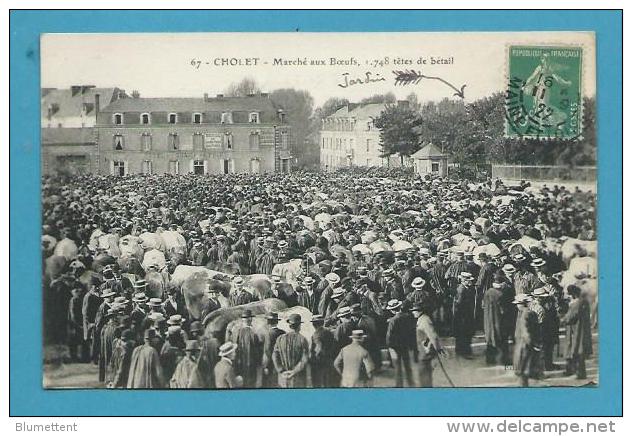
430, 160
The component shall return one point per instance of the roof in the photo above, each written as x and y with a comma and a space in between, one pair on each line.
168, 104
68, 136
360, 112
72, 105
428, 151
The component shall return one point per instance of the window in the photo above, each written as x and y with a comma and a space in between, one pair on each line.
144, 118
146, 167
119, 142
368, 145
174, 167
198, 141
197, 118
323, 147
227, 118
145, 141
118, 168
228, 140
118, 119
198, 167
255, 166
254, 140
229, 166
435, 167
254, 117
173, 118
173, 141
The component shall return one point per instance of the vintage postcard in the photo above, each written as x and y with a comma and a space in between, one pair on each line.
308, 210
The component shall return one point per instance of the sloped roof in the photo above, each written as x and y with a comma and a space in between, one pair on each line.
360, 112
72, 105
168, 104
68, 136
430, 150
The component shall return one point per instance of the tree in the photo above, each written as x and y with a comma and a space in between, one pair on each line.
243, 88
389, 98
399, 130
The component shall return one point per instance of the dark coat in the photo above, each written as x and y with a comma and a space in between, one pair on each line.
578, 334
269, 340
400, 334
527, 357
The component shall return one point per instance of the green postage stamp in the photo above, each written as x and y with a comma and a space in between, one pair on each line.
544, 93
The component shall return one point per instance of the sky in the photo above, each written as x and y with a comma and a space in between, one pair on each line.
184, 64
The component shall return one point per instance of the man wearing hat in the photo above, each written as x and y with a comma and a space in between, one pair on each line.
99, 321
428, 346
306, 296
322, 353
353, 363
208, 358
344, 328
454, 270
372, 342
187, 374
578, 333
174, 304
145, 370
400, 340
463, 315
120, 361
483, 282
270, 377
213, 303
291, 354
172, 350
331, 282
528, 342
495, 311
249, 350
336, 303
524, 280
225, 377
108, 334
545, 306
392, 285
238, 294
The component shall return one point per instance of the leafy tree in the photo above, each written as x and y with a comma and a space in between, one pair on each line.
388, 98
298, 105
399, 130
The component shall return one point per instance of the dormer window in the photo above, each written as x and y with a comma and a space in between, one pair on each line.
173, 118
227, 118
253, 117
144, 118
118, 119
197, 118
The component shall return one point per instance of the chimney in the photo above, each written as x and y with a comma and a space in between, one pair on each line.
97, 105
281, 115
74, 90
206, 96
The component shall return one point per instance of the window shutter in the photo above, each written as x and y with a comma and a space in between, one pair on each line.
205, 167
125, 168
177, 167
112, 167
191, 166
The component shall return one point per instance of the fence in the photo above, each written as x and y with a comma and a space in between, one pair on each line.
545, 173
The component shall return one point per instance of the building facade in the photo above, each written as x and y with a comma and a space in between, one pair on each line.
219, 135
68, 138
349, 137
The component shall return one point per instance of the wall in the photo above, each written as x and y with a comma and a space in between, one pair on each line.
49, 154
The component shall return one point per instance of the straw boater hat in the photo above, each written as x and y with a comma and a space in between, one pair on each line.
175, 320
227, 348
538, 263
540, 292
519, 257
332, 278
282, 244
337, 293
466, 275
393, 305
108, 293
522, 299
140, 298
344, 311
318, 319
308, 281
155, 302
509, 268
418, 283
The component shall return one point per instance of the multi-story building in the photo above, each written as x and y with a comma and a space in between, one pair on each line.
217, 135
68, 117
348, 137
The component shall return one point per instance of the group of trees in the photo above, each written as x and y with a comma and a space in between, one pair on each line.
472, 133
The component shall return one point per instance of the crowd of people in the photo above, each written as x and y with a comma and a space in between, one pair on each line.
389, 266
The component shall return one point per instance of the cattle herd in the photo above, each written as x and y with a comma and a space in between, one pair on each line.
313, 279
